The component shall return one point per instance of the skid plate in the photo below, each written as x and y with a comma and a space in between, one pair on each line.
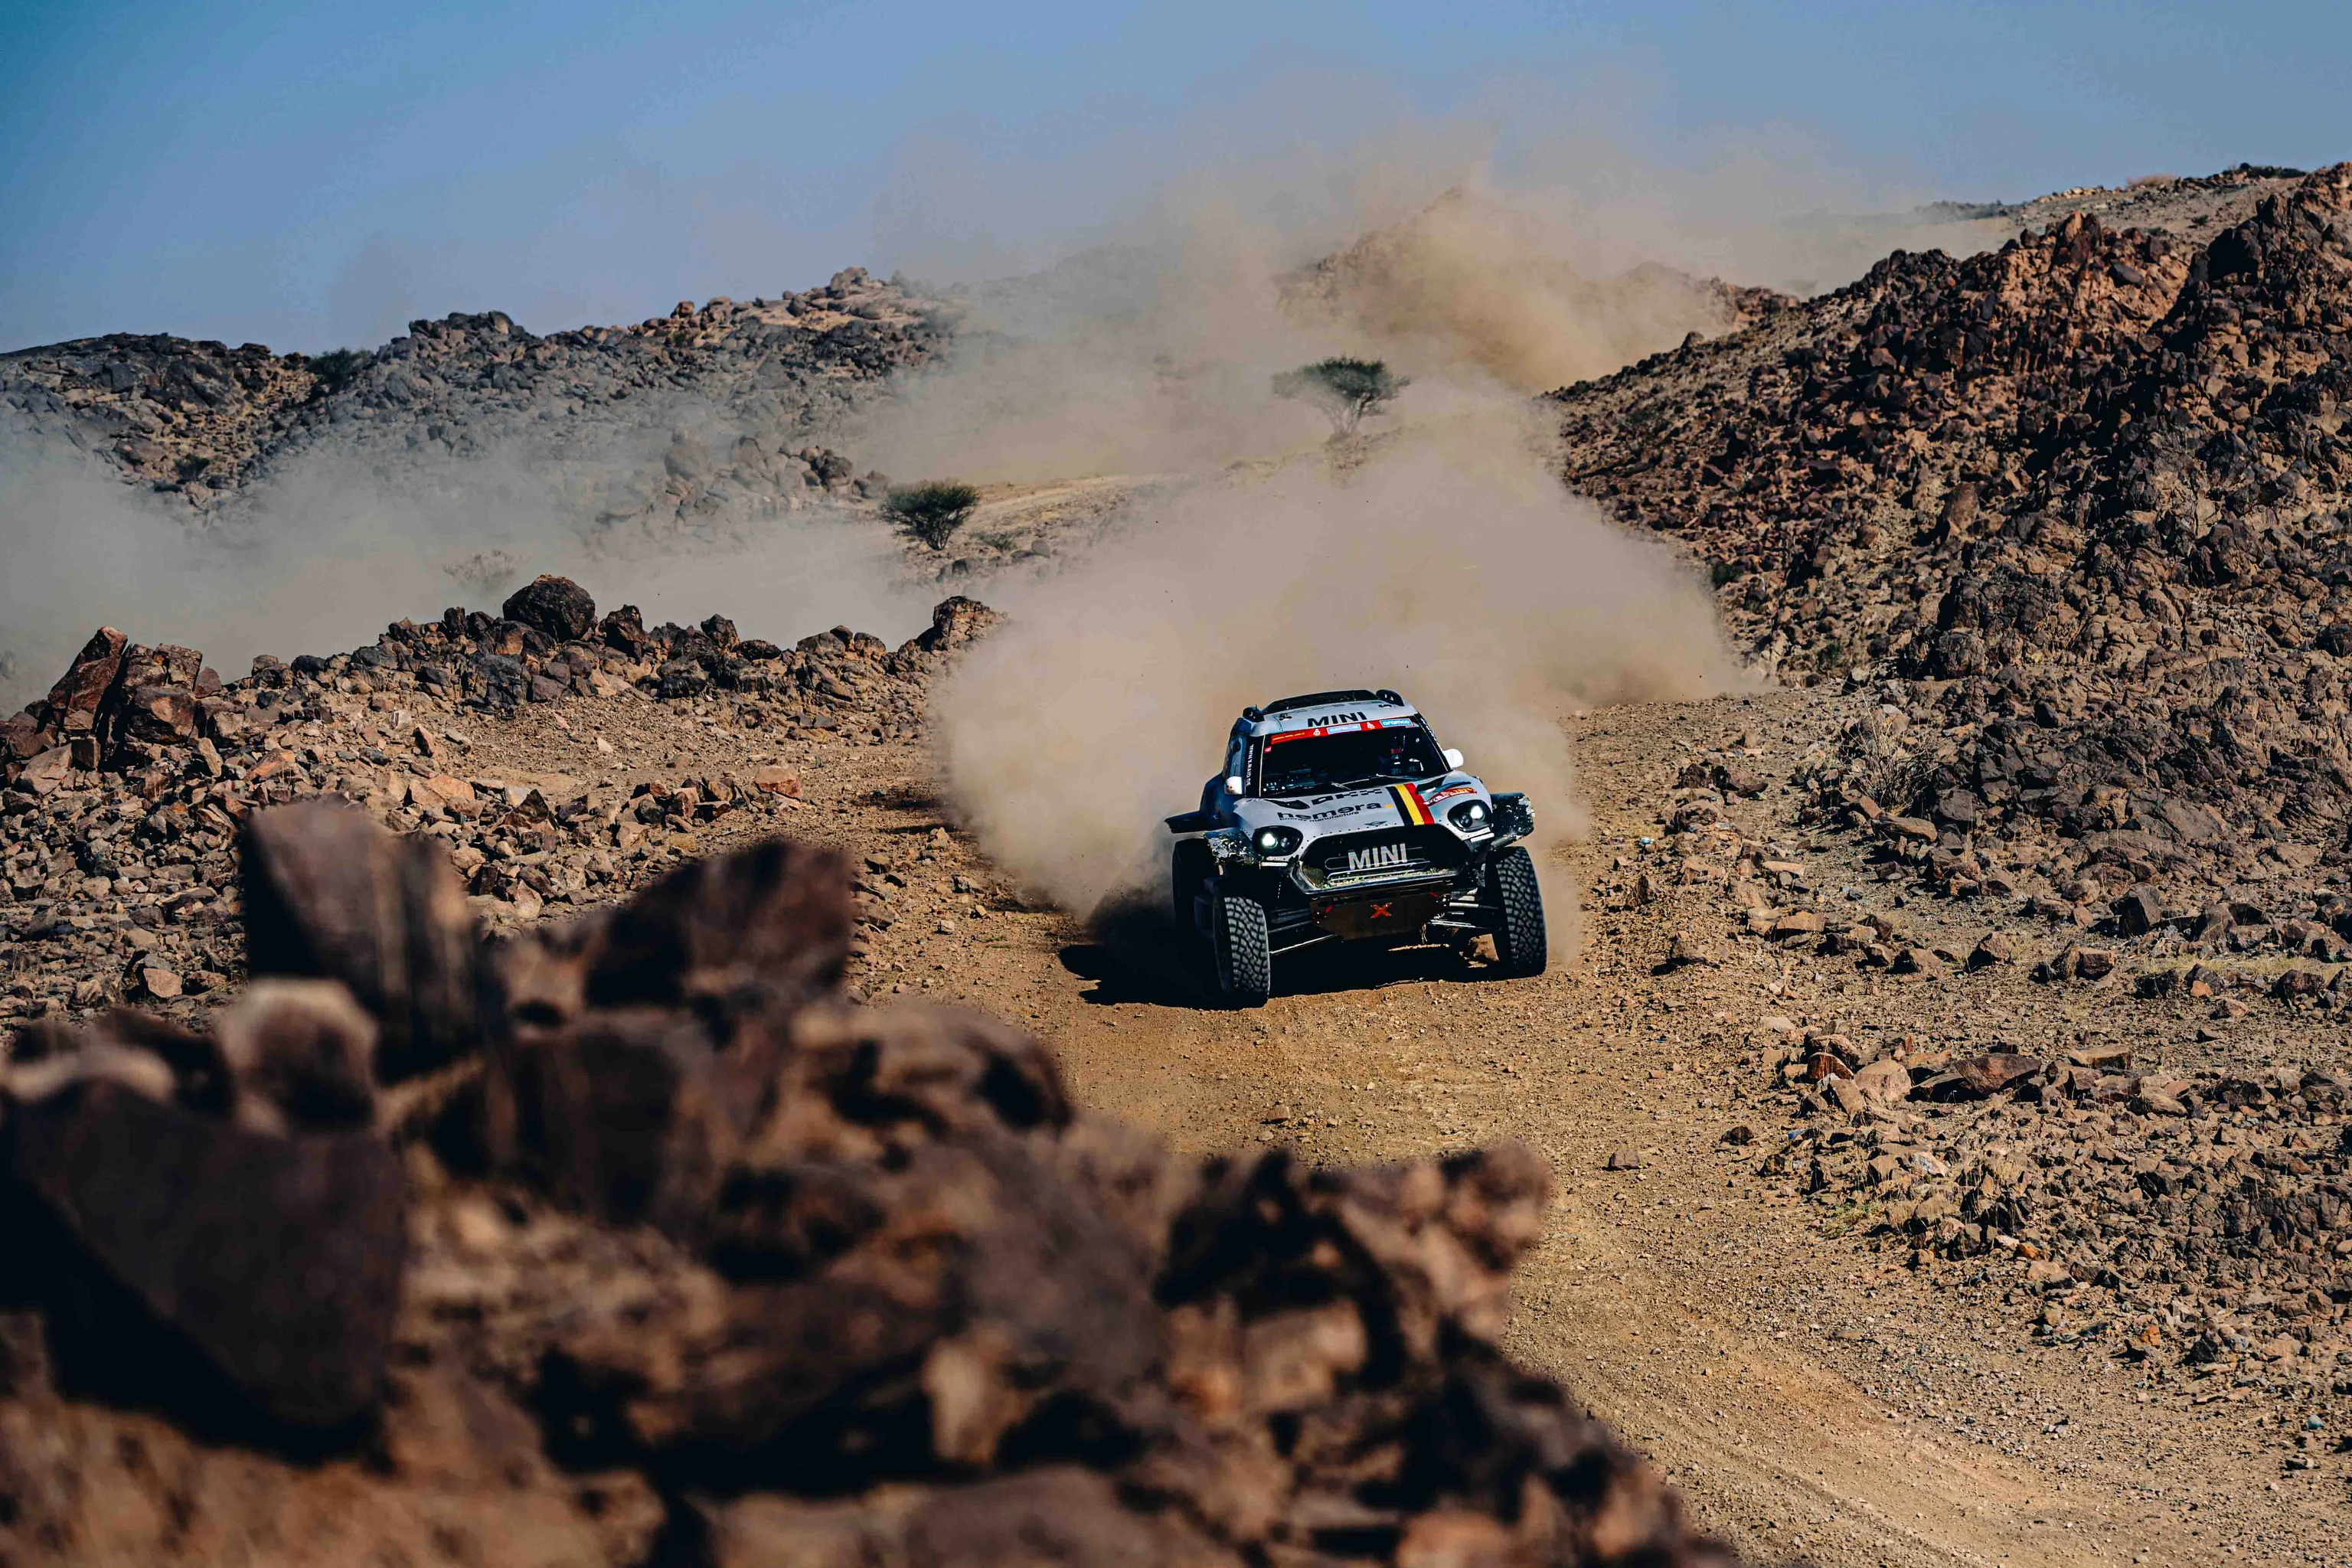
1362, 916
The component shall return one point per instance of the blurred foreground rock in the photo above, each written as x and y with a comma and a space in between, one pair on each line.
630, 1241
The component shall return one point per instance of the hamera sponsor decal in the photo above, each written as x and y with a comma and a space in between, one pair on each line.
1331, 812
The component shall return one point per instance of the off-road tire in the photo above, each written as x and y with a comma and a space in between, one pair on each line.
1189, 866
1244, 955
1521, 948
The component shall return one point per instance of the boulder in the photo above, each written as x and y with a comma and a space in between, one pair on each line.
556, 607
73, 701
209, 1257
957, 622
329, 895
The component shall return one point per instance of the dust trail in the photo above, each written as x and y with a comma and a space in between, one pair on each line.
1450, 565
320, 557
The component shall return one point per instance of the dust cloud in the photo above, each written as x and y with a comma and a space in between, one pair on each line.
318, 558
1449, 564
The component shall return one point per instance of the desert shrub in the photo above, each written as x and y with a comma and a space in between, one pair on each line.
1348, 391
931, 511
336, 369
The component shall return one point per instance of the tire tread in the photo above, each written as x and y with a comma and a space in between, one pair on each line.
1244, 953
1521, 945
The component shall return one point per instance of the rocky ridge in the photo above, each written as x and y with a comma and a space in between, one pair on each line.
710, 415
626, 1240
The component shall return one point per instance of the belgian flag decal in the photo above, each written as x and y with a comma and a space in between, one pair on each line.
1408, 804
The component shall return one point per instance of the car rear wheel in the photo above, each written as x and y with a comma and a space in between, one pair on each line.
1244, 955
1521, 948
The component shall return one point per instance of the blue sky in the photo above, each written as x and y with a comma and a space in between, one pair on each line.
307, 175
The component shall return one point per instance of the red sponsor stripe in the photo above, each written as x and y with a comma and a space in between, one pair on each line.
1317, 731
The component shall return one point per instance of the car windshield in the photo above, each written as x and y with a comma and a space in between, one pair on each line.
1348, 759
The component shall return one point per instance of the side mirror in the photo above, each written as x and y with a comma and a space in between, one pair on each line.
1234, 784
1453, 758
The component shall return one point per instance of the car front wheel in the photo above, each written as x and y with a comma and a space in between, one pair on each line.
1521, 948
1244, 953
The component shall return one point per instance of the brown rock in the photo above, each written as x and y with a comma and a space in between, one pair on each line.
1988, 1075
73, 701
330, 895
1822, 1065
23, 736
1736, 780
1885, 1082
275, 1261
159, 715
775, 918
2138, 912
1689, 948
301, 1055
47, 771
1991, 948
957, 622
442, 792
776, 779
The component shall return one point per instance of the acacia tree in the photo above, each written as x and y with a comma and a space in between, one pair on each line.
1348, 391
931, 512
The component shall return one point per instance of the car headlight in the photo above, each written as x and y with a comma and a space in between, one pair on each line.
1274, 843
1472, 817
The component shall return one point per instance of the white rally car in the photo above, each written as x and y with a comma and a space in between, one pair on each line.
1338, 818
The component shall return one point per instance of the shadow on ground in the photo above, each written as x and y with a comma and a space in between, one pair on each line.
1132, 954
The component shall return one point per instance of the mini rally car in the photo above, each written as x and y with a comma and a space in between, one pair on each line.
1338, 818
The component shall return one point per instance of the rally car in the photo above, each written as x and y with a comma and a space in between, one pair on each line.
1338, 817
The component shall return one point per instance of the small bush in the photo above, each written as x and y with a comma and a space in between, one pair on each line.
337, 369
189, 466
931, 512
1348, 391
1723, 572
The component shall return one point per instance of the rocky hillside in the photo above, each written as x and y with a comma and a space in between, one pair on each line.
2081, 504
623, 416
